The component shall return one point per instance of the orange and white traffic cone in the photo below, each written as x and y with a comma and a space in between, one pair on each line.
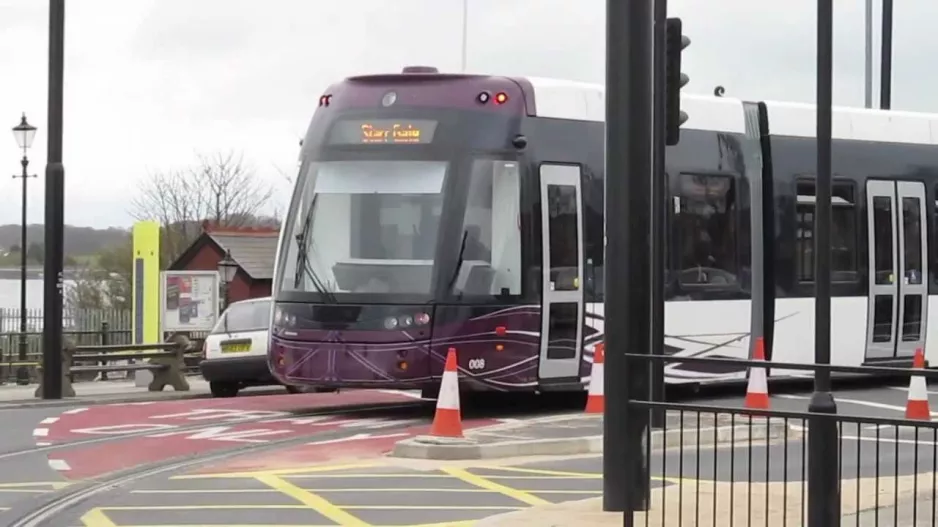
596, 399
757, 392
447, 422
917, 405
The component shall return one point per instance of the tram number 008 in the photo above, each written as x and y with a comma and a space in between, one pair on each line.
476, 364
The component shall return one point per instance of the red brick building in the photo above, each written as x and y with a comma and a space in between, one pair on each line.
253, 249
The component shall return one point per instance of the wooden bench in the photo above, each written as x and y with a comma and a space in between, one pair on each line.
167, 361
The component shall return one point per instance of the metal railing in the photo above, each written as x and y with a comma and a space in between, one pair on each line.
723, 464
9, 348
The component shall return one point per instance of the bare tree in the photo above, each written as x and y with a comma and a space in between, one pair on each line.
220, 188
88, 290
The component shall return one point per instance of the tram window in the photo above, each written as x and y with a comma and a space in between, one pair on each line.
912, 233
843, 231
705, 228
373, 225
492, 257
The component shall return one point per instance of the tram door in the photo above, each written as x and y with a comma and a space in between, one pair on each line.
898, 258
562, 264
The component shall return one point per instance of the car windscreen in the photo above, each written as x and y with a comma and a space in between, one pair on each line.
246, 316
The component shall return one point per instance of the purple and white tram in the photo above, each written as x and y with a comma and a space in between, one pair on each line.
435, 211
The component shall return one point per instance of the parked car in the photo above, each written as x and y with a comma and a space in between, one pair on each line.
235, 351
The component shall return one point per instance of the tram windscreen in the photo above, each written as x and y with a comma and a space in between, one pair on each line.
372, 226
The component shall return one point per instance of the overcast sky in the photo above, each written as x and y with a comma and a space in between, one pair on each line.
151, 82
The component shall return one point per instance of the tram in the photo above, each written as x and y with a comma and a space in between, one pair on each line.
435, 211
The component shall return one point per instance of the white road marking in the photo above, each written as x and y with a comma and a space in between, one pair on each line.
48, 420
74, 411
902, 428
901, 389
59, 464
41, 432
411, 394
43, 444
356, 436
858, 402
881, 439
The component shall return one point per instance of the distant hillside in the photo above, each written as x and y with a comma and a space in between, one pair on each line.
78, 240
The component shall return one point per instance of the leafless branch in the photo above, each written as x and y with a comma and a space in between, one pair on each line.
219, 187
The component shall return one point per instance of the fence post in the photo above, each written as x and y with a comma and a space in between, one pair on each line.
104, 342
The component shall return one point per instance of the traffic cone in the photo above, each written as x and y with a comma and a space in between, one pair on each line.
596, 400
447, 422
917, 405
757, 392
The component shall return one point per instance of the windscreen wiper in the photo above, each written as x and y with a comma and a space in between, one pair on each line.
303, 267
459, 260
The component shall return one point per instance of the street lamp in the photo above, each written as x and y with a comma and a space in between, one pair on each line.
227, 268
24, 133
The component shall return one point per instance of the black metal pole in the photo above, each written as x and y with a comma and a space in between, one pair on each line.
55, 211
629, 76
885, 59
659, 232
22, 374
823, 454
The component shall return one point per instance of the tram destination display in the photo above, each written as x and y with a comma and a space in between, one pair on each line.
383, 132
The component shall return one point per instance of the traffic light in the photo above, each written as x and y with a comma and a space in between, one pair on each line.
674, 80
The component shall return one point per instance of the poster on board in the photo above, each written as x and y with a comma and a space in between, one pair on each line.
188, 300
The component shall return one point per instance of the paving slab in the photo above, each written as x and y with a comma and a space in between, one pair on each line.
110, 392
573, 434
906, 499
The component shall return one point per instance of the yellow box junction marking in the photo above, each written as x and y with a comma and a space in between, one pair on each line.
97, 518
542, 472
310, 498
317, 503
481, 482
53, 485
277, 472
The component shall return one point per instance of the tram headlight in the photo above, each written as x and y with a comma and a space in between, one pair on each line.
283, 320
390, 323
407, 321
422, 319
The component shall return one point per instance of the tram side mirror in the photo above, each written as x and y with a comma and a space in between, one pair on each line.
520, 142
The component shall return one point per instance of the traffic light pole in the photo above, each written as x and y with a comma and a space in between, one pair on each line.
659, 235
629, 121
823, 476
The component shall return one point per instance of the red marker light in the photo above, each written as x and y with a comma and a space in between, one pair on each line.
324, 100
500, 331
501, 98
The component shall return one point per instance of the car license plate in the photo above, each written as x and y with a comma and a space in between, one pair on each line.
236, 347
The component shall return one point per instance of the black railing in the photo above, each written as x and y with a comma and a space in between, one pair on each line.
724, 464
9, 348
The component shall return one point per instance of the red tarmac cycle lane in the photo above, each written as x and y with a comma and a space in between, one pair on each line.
162, 416
164, 438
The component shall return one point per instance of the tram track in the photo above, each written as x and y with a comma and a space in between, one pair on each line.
42, 510
358, 408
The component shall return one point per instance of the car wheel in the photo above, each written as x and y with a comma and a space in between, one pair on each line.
224, 389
